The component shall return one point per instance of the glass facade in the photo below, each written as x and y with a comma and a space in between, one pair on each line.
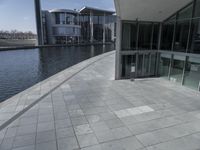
129, 36
176, 74
164, 65
192, 73
169, 49
167, 36
98, 27
145, 35
66, 18
140, 35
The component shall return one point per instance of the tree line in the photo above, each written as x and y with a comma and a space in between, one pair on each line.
15, 34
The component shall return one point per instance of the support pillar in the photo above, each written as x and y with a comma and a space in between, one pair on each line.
118, 65
104, 28
39, 22
91, 27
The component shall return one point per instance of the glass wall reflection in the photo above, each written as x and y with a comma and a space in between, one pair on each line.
192, 73
164, 65
129, 36
145, 35
176, 74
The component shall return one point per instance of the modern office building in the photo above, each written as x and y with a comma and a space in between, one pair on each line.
159, 38
62, 26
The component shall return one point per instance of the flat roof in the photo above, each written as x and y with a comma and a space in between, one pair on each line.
64, 10
97, 11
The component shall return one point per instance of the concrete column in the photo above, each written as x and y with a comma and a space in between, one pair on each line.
118, 66
91, 27
104, 28
38, 15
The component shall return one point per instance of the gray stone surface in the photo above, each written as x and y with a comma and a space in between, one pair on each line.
92, 111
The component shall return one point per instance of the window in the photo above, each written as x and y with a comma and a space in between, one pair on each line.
186, 13
153, 65
194, 45
164, 65
129, 36
181, 37
167, 36
127, 62
57, 16
62, 18
197, 9
177, 69
156, 29
145, 32
192, 73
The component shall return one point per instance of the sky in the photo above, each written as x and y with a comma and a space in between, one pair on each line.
20, 15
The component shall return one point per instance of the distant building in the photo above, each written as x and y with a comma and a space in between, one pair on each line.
63, 26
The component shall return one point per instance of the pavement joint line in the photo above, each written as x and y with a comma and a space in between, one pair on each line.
16, 116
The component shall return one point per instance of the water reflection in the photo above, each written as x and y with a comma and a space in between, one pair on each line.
21, 69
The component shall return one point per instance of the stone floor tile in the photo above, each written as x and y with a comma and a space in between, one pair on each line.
115, 123
105, 136
83, 129
46, 146
26, 129
45, 136
99, 126
87, 140
121, 132
25, 140
65, 132
46, 126
64, 123
7, 144
148, 139
69, 143
79, 121
131, 143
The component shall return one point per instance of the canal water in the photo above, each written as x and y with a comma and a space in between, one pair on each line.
21, 69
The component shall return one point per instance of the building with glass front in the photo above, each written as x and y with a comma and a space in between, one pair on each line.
159, 38
63, 26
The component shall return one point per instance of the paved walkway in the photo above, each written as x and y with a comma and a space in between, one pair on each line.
91, 111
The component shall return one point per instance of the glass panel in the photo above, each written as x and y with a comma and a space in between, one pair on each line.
155, 36
177, 70
129, 34
167, 36
127, 61
57, 16
195, 37
164, 66
182, 31
153, 65
62, 18
140, 65
197, 9
192, 73
185, 13
145, 32
146, 65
